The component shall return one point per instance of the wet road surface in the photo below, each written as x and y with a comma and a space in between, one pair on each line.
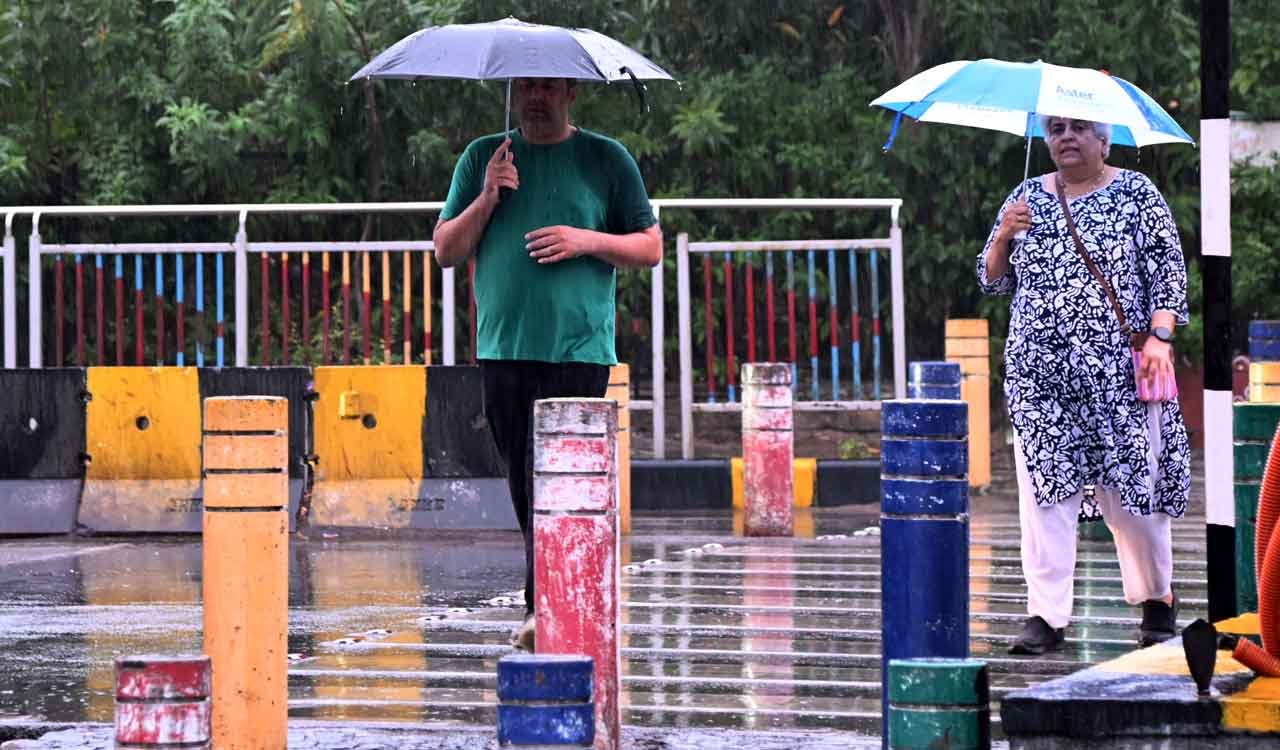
720, 632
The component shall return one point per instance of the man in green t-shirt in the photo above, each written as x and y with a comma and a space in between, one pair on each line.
549, 211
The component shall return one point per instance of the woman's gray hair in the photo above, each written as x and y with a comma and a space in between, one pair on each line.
1100, 129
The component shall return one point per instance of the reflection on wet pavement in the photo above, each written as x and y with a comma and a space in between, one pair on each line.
719, 630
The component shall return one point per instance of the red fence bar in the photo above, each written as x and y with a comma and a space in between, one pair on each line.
266, 311
120, 310
306, 301
58, 311
159, 309
366, 307
284, 309
346, 308
386, 307
181, 331
709, 323
751, 309
80, 312
768, 301
138, 313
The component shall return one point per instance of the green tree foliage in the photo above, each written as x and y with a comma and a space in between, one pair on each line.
145, 101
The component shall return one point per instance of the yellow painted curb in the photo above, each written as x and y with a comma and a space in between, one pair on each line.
804, 481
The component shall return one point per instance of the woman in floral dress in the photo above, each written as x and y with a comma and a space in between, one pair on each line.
1070, 380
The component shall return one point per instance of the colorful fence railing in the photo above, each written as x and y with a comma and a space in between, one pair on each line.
812, 381
201, 303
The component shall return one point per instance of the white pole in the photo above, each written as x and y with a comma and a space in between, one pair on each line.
242, 293
686, 346
10, 295
35, 301
447, 307
657, 334
899, 311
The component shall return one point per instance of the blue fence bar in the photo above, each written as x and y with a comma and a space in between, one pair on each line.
855, 325
791, 320
924, 533
218, 331
875, 323
813, 327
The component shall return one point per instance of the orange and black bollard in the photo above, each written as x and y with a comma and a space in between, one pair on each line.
246, 569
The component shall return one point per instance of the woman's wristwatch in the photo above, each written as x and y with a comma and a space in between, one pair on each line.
1162, 333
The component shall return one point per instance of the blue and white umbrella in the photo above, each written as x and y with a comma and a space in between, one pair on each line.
1010, 97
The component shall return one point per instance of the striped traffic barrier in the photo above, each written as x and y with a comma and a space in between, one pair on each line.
934, 380
1264, 340
163, 702
246, 568
937, 703
924, 533
544, 700
575, 530
768, 449
1253, 425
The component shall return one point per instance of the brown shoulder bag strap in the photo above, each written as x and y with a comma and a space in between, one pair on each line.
1093, 267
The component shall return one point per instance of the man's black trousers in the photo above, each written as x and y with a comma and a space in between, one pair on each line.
510, 388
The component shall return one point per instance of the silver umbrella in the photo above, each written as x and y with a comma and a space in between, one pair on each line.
509, 49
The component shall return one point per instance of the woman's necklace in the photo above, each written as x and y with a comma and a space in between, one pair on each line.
1088, 186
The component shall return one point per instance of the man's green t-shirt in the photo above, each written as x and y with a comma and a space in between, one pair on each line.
554, 312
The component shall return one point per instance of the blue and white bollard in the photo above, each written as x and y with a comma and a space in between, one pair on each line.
934, 380
924, 533
1264, 340
544, 701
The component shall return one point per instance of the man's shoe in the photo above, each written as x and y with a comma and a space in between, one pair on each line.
523, 637
1037, 637
1159, 622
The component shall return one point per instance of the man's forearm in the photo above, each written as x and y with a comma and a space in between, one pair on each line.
456, 239
636, 250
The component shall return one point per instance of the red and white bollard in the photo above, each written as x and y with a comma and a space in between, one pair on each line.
767, 449
575, 543
163, 701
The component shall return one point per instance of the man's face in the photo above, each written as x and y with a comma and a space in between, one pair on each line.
543, 103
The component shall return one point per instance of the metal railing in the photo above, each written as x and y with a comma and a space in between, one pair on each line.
240, 247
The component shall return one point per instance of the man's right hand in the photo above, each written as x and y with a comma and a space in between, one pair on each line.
501, 171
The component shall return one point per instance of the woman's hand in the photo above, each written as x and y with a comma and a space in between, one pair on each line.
1157, 361
1016, 218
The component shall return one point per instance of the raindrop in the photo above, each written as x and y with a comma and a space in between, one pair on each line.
30, 425
631, 569
651, 562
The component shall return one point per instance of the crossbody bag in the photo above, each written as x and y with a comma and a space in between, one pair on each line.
1163, 387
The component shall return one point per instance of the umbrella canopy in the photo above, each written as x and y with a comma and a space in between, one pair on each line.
1007, 96
510, 48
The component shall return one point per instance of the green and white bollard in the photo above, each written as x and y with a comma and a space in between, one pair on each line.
939, 703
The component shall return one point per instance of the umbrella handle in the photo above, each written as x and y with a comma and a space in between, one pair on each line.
1026, 170
637, 86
